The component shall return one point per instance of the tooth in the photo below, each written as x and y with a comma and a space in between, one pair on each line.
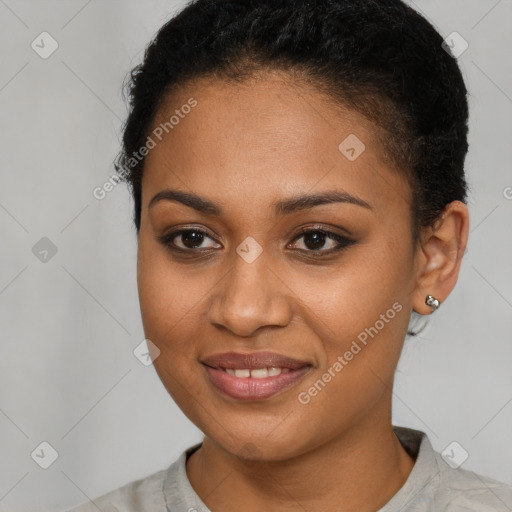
256, 373
259, 373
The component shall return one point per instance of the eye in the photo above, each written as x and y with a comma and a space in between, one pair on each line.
315, 240
187, 240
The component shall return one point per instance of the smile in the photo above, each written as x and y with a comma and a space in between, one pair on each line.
255, 375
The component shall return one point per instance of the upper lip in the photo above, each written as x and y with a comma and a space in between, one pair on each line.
253, 360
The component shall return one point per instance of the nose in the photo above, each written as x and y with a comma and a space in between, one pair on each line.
250, 296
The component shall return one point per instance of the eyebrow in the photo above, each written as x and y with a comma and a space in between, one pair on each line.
287, 206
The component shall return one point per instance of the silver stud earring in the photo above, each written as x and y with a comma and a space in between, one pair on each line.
432, 302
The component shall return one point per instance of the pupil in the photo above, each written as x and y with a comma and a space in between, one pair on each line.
317, 238
192, 237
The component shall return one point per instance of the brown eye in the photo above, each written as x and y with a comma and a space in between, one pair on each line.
186, 240
315, 241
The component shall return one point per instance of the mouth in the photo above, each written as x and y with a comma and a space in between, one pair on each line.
255, 376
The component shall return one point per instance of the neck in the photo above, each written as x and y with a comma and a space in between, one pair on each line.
333, 477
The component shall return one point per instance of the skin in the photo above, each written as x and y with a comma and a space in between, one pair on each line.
243, 147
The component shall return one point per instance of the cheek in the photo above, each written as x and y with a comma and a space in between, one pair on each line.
359, 358
361, 315
168, 304
172, 306
351, 296
167, 298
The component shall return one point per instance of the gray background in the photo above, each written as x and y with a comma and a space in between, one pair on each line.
69, 325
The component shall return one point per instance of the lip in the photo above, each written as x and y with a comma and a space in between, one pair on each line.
253, 360
250, 388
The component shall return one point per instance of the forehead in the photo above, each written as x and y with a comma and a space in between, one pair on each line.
264, 138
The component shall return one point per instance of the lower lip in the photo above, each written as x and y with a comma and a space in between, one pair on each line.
249, 388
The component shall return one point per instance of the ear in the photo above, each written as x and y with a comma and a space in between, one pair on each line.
439, 256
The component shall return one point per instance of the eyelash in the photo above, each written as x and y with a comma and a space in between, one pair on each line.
342, 241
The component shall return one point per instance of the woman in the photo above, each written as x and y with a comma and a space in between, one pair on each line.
297, 169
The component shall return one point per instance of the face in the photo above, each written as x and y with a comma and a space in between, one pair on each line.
241, 265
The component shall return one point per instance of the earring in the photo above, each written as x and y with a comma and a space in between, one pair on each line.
432, 302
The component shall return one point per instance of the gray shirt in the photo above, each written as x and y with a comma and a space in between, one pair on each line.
433, 485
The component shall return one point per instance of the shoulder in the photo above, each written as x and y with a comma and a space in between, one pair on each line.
439, 483
156, 492
143, 494
462, 490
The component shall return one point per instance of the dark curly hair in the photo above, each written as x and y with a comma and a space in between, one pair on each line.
378, 57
